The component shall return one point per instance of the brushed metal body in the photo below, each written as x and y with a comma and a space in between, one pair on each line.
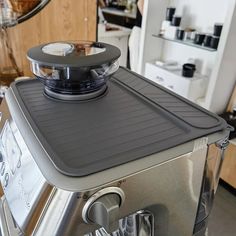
170, 189
173, 200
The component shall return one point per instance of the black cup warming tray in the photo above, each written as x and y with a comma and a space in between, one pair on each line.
134, 119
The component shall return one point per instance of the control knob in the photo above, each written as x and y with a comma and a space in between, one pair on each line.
103, 208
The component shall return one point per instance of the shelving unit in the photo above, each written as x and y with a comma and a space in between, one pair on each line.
186, 42
218, 65
190, 88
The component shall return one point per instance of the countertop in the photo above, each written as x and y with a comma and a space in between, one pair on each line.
117, 12
121, 32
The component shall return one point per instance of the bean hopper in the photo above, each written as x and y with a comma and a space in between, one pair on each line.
89, 149
74, 70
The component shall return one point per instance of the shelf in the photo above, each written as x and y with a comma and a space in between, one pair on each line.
186, 42
178, 72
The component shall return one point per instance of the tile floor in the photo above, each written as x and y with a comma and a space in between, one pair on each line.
223, 218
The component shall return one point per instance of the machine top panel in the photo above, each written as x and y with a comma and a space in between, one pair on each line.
135, 119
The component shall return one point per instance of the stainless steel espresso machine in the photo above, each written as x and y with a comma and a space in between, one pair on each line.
84, 155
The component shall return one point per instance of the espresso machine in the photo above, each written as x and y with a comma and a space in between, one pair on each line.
91, 149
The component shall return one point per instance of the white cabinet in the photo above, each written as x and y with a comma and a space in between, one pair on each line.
190, 88
118, 38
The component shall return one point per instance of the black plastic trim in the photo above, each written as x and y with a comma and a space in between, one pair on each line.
111, 54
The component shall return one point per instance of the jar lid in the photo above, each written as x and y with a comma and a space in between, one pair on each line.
73, 54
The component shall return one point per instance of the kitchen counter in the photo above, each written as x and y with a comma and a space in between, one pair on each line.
117, 12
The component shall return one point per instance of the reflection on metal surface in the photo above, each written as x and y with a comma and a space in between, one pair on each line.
82, 48
138, 224
222, 145
213, 166
168, 200
99, 194
7, 222
24, 186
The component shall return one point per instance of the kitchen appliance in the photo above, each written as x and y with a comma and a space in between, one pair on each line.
74, 70
133, 160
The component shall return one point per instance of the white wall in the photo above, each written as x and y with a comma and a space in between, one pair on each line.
224, 77
149, 48
202, 15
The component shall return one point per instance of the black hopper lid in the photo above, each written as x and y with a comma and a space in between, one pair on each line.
74, 70
73, 54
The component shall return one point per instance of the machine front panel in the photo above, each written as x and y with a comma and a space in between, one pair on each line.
21, 179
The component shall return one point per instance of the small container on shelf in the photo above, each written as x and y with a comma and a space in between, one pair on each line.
164, 26
199, 38
207, 40
189, 34
218, 29
180, 34
188, 70
176, 21
170, 11
215, 42
170, 32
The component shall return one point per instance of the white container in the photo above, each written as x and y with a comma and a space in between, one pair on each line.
165, 24
170, 32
